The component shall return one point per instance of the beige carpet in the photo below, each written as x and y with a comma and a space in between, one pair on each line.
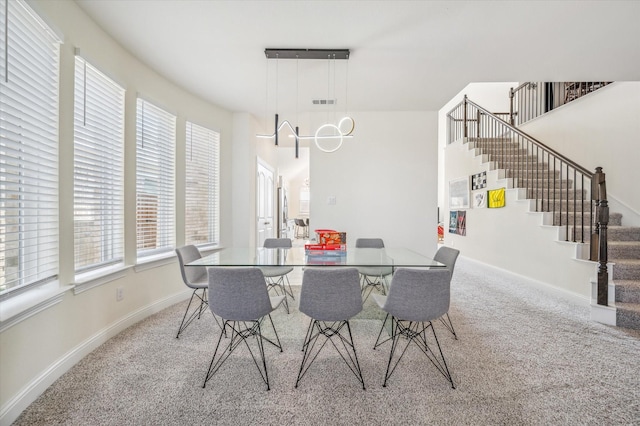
523, 357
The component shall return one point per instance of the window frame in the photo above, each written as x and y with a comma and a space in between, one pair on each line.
96, 91
202, 196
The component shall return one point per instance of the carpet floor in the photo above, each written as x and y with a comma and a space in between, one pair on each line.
524, 356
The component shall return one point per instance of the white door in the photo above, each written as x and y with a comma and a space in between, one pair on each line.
265, 203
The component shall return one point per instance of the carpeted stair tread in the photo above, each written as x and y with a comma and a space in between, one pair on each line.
626, 269
623, 233
628, 315
627, 291
576, 218
624, 249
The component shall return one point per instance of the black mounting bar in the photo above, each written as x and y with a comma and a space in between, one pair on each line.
306, 53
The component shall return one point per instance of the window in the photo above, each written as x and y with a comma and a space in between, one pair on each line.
29, 67
155, 164
202, 211
98, 169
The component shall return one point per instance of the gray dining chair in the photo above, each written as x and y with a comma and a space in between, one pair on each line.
373, 277
330, 297
194, 277
276, 276
240, 297
416, 298
448, 256
303, 226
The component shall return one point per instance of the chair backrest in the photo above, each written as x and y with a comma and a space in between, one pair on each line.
191, 274
238, 294
300, 222
369, 243
419, 294
448, 256
277, 243
330, 294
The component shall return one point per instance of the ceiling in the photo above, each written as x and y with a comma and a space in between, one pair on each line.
405, 55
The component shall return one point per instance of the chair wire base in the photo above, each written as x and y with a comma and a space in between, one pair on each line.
241, 331
378, 342
197, 312
448, 324
279, 285
329, 330
368, 284
415, 332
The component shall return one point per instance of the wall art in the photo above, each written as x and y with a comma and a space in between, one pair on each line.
459, 193
496, 198
479, 181
480, 199
453, 222
461, 229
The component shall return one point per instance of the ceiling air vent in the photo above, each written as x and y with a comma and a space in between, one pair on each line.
324, 101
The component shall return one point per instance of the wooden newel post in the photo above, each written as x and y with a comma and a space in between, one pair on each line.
599, 239
465, 116
511, 100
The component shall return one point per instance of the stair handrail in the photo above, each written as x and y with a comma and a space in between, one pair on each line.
534, 98
468, 116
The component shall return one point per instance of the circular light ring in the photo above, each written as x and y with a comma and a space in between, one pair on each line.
353, 125
337, 136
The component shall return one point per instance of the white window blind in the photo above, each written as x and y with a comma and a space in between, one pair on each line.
29, 67
155, 181
202, 209
98, 169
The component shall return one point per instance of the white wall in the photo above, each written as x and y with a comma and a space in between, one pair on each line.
384, 181
492, 96
513, 238
37, 350
601, 130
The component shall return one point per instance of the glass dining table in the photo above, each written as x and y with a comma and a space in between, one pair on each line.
298, 256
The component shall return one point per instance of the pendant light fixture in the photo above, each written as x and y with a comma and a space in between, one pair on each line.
328, 131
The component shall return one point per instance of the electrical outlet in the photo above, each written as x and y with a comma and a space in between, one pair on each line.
119, 294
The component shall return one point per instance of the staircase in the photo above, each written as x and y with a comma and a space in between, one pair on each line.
624, 255
571, 208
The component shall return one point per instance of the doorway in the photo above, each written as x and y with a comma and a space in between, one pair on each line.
294, 178
264, 202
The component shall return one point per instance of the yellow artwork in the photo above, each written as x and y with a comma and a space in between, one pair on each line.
495, 198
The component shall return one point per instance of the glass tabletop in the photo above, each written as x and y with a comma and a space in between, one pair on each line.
297, 256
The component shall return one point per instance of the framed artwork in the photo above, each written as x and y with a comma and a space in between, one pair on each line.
459, 193
480, 199
495, 198
453, 222
462, 223
479, 181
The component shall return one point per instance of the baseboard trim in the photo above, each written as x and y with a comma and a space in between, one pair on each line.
16, 405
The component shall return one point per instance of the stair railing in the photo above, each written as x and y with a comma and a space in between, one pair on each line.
573, 195
533, 98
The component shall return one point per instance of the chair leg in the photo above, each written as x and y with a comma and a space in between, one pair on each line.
447, 323
203, 305
329, 331
241, 332
279, 284
368, 284
416, 332
378, 342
